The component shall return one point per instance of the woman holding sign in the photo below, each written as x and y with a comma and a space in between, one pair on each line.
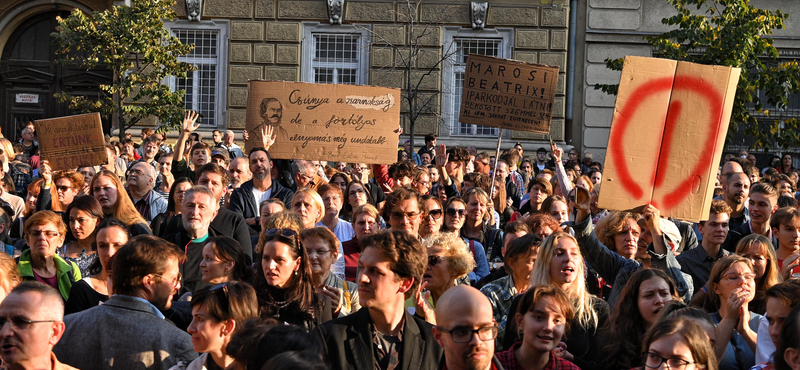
108, 190
67, 185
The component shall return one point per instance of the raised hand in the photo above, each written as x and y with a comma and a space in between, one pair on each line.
334, 294
245, 135
46, 172
788, 264
190, 121
652, 218
441, 155
268, 136
582, 198
556, 152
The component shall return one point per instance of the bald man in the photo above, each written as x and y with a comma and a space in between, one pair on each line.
466, 330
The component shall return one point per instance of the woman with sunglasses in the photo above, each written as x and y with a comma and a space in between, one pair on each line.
84, 214
322, 248
432, 223
111, 236
678, 343
448, 261
454, 218
217, 313
284, 282
365, 222
733, 288
543, 315
476, 227
109, 191
63, 186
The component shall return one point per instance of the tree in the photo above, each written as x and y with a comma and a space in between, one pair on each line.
734, 33
132, 42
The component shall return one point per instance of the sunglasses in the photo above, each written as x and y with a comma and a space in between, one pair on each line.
452, 212
434, 260
288, 235
435, 213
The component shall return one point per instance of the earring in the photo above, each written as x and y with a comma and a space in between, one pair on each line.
295, 273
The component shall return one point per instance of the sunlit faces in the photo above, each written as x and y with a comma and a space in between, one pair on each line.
565, 266
537, 194
761, 207
738, 279
653, 295
180, 190
88, 173
626, 242
239, 171
200, 157
44, 239
320, 255
165, 165
308, 209
66, 192
786, 188
198, 210
433, 218
105, 191
278, 263
597, 177
109, 240
212, 269
454, 216
81, 223
756, 255
542, 231
788, 235
166, 285
213, 181
378, 286
438, 276
716, 228
139, 176
434, 174
364, 225
356, 195
207, 333
559, 211
738, 188
673, 347
406, 216
542, 327
332, 202
423, 183
268, 209
150, 150
476, 207
23, 347
260, 165
777, 312
340, 182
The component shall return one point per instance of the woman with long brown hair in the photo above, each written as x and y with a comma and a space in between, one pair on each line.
109, 191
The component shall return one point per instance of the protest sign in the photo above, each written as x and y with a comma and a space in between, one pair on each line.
508, 94
325, 121
667, 134
71, 142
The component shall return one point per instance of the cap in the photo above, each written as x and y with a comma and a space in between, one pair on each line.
219, 152
6, 207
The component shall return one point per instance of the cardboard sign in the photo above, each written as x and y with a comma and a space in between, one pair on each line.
508, 94
667, 134
325, 122
71, 142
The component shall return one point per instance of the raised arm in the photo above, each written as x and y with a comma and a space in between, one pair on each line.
189, 124
561, 174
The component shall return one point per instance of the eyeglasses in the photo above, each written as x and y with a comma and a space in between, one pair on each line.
464, 335
334, 197
356, 192
47, 233
175, 282
321, 252
434, 260
18, 323
654, 361
435, 214
136, 172
452, 212
736, 277
409, 215
62, 188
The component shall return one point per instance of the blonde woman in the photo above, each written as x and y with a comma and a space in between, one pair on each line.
308, 204
560, 264
449, 259
109, 191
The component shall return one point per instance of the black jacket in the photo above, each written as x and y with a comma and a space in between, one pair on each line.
226, 223
347, 343
243, 202
190, 267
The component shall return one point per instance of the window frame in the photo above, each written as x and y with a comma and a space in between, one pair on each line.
308, 45
450, 107
223, 44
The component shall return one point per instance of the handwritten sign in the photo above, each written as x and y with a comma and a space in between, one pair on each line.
508, 94
325, 122
71, 142
667, 134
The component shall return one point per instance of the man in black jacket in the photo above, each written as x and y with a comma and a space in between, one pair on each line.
246, 198
382, 334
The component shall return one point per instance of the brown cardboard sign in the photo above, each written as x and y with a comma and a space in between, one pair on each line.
324, 121
508, 94
73, 141
667, 135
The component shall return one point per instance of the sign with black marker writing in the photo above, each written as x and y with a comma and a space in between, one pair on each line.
325, 121
508, 94
73, 141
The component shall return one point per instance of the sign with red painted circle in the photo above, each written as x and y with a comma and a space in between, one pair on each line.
668, 131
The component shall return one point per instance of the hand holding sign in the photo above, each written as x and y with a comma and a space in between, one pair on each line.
268, 136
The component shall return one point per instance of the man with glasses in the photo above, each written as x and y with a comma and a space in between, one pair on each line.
129, 331
141, 179
404, 211
383, 335
31, 323
305, 175
466, 330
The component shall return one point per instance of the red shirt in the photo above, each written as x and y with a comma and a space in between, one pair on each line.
509, 361
794, 270
352, 252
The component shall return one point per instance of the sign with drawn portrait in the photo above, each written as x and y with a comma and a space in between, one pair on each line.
325, 122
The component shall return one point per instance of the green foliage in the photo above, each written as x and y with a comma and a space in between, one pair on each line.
133, 43
734, 33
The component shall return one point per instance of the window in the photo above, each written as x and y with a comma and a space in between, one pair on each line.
459, 43
335, 55
205, 87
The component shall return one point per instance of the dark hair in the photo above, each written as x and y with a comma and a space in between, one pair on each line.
528, 301
401, 169
259, 149
171, 200
232, 300
214, 168
228, 249
142, 256
786, 201
788, 292
398, 195
95, 268
429, 138
627, 326
789, 338
407, 257
691, 333
305, 359
522, 247
88, 204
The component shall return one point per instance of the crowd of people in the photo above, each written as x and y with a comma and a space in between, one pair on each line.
200, 256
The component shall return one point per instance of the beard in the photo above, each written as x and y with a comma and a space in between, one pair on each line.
261, 175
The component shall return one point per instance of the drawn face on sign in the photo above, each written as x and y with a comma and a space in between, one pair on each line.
271, 111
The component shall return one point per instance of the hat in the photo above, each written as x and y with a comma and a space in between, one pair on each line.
541, 150
6, 207
221, 153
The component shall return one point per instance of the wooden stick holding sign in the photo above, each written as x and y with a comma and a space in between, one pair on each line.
667, 134
71, 142
325, 121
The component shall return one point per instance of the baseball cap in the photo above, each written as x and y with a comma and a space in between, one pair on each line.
219, 152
